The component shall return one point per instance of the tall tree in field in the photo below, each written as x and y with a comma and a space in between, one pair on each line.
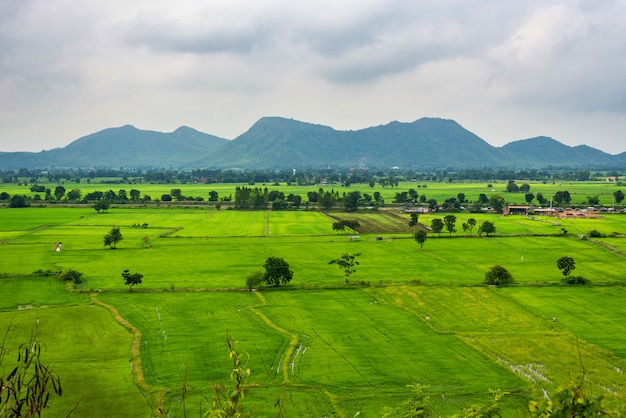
562, 196
276, 271
472, 223
420, 236
413, 220
449, 222
541, 199
566, 265
59, 192
346, 262
436, 225
487, 228
497, 202
131, 279
619, 196
528, 197
113, 237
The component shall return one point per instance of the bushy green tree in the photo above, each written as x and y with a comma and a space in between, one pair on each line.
420, 236
498, 276
436, 225
254, 279
276, 271
566, 265
113, 237
449, 222
131, 279
487, 228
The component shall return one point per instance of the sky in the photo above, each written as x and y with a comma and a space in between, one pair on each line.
504, 70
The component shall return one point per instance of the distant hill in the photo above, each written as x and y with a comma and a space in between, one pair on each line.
125, 146
278, 143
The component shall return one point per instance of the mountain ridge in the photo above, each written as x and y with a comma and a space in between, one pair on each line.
274, 142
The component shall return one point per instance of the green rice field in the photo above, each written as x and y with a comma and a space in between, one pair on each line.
317, 346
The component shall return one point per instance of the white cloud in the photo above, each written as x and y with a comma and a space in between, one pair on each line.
505, 70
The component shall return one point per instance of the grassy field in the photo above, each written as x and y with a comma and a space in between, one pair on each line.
321, 346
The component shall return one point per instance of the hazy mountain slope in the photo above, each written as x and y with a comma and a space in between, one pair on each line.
128, 146
275, 142
283, 143
278, 142
544, 151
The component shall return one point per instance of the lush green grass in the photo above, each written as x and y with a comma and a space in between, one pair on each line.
344, 345
353, 347
21, 292
515, 328
89, 351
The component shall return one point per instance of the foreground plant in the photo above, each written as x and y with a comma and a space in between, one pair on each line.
26, 390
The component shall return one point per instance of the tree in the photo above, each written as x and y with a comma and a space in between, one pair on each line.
74, 194
176, 194
449, 222
498, 276
131, 280
420, 236
542, 200
497, 202
339, 226
59, 191
472, 223
414, 219
487, 227
593, 200
566, 265
511, 187
113, 237
561, 197
524, 188
18, 201
346, 262
213, 196
276, 271
254, 279
101, 205
135, 194
436, 225
619, 196
528, 197
351, 201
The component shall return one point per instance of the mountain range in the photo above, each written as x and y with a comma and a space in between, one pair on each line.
280, 143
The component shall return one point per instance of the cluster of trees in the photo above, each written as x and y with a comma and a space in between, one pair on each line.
448, 222
386, 177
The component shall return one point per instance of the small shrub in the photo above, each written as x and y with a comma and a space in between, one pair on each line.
44, 273
71, 276
575, 280
594, 233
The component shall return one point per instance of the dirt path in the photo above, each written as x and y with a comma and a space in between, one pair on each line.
288, 357
135, 357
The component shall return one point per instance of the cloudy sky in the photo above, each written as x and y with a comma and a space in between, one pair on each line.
505, 70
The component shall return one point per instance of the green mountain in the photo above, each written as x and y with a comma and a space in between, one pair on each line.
125, 146
275, 142
548, 151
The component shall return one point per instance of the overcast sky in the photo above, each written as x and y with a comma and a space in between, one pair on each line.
505, 70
